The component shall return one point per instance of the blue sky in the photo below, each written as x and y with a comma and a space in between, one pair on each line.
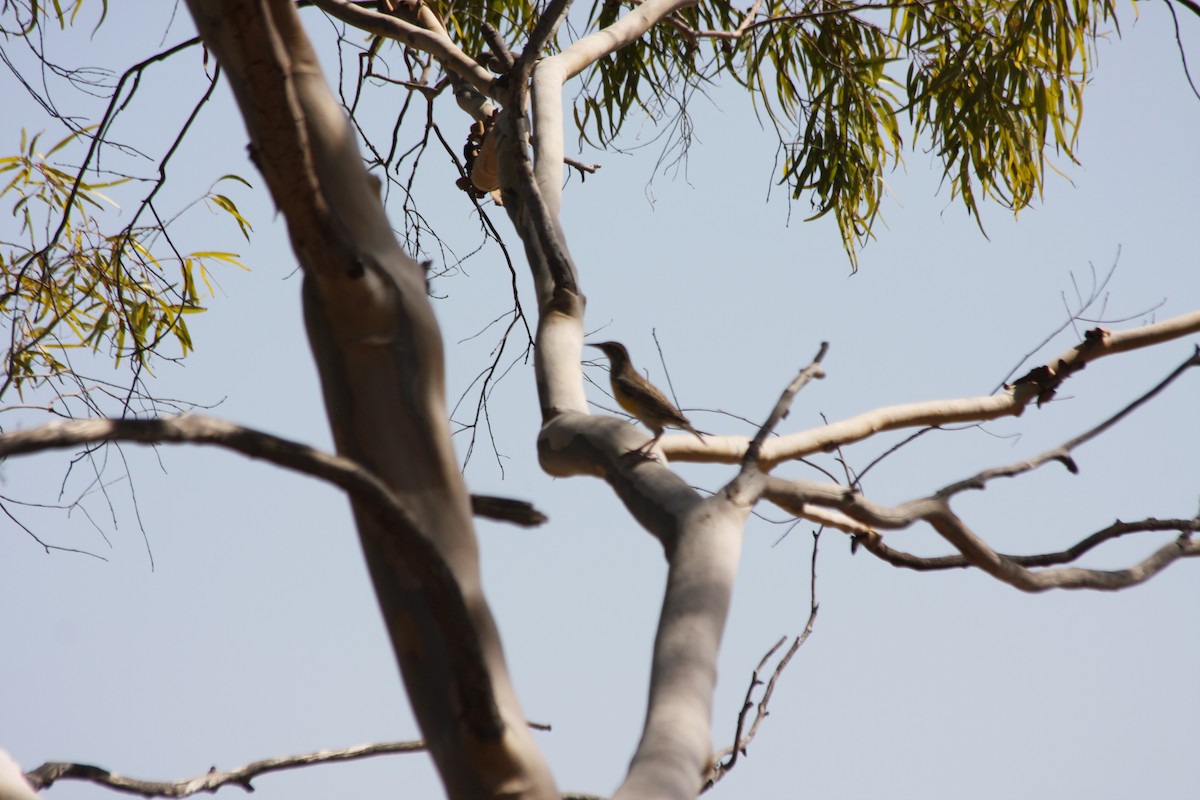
256, 633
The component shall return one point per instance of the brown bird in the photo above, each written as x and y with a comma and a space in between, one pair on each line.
640, 397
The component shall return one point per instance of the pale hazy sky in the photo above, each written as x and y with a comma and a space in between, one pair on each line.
256, 633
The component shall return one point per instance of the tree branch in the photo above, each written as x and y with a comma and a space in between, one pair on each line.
379, 354
1062, 453
1038, 384
726, 759
584, 52
747, 485
975, 551
47, 774
193, 429
872, 541
434, 42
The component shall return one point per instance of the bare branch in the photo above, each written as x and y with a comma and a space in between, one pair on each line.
975, 552
190, 428
505, 509
47, 774
1038, 384
748, 484
630, 27
694, 35
551, 18
872, 541
583, 169
799, 495
726, 759
784, 404
432, 41
408, 541
551, 73
1190, 5
981, 555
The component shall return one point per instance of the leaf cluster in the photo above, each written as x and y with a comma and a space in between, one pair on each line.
988, 86
68, 285
36, 12
653, 76
513, 19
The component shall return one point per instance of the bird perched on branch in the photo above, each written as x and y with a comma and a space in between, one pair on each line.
640, 397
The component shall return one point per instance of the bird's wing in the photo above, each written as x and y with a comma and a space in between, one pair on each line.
651, 405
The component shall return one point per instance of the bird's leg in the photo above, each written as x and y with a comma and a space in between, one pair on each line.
644, 450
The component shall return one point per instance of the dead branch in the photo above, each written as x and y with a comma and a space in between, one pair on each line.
726, 759
428, 39
872, 541
935, 509
783, 406
583, 169
748, 483
505, 509
47, 774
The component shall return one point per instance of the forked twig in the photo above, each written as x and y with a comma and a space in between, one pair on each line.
725, 760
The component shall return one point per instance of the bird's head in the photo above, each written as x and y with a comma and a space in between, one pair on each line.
616, 352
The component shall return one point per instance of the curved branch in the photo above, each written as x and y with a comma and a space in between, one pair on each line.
1013, 570
629, 28
998, 566
872, 541
434, 42
551, 73
936, 511
1190, 5
194, 429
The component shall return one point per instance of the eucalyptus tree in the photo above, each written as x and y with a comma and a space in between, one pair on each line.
992, 87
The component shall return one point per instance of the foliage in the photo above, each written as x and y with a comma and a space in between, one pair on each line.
513, 19
69, 285
989, 86
62, 14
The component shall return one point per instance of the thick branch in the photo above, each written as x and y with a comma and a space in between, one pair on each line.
675, 750
379, 355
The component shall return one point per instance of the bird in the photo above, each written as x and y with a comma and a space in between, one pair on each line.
640, 397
